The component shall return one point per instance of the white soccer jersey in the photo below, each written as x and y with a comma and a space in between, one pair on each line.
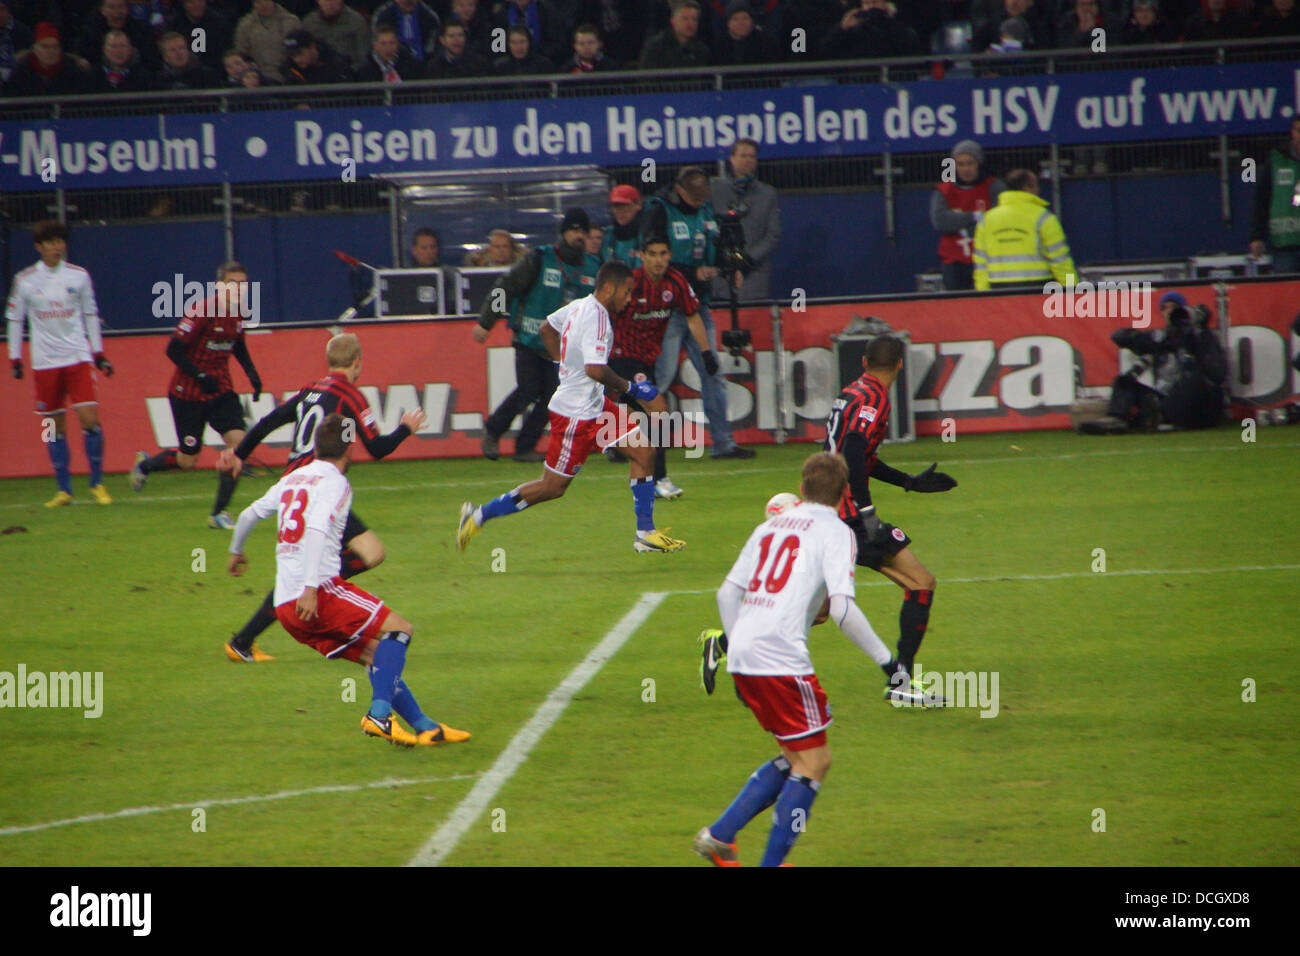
788, 567
586, 338
60, 303
311, 505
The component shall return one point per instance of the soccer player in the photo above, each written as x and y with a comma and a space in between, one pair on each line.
658, 289
59, 299
317, 606
580, 336
858, 423
201, 391
789, 566
336, 393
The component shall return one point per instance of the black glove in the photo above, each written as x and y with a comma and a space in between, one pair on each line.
103, 364
18, 368
710, 362
257, 388
930, 481
208, 383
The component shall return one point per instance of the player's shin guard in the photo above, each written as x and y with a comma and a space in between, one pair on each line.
225, 491
59, 459
643, 503
406, 706
94, 442
912, 622
509, 503
385, 671
759, 793
165, 460
258, 623
793, 807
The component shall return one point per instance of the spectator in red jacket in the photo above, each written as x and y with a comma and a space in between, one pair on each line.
46, 70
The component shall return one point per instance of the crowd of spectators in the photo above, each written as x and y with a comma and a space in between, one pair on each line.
61, 47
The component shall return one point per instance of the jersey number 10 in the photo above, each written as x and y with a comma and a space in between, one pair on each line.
782, 563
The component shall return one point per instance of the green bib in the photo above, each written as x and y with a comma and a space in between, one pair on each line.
557, 285
1284, 206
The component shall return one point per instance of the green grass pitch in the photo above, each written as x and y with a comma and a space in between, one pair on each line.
1119, 691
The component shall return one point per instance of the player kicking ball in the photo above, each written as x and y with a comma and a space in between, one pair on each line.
580, 337
789, 567
319, 608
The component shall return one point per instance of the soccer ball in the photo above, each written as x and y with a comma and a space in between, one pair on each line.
779, 503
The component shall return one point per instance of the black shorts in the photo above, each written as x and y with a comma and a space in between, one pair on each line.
874, 546
223, 412
630, 368
354, 527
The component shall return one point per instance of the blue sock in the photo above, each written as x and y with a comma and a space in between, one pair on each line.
507, 504
59, 457
643, 501
385, 671
759, 793
94, 439
409, 710
790, 818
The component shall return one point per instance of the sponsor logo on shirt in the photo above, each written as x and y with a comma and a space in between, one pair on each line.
551, 277
868, 413
681, 230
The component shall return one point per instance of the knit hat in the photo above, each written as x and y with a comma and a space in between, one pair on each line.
46, 31
739, 6
575, 219
1176, 298
969, 147
1016, 28
298, 40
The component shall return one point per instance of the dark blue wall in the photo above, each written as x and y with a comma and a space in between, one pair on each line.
833, 244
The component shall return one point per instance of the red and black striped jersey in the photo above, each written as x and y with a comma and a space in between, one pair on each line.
639, 328
209, 335
333, 393
862, 408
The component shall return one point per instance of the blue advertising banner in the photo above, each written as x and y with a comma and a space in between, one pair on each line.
789, 122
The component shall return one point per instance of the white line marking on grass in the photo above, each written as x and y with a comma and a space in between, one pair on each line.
724, 473
230, 801
445, 838
1068, 574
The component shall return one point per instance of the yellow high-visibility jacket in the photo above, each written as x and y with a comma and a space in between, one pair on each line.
1019, 240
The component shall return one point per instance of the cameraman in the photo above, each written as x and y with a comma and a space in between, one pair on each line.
1185, 364
685, 215
760, 218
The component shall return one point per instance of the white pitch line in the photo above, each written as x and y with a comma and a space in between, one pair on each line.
445, 838
230, 801
1069, 574
728, 473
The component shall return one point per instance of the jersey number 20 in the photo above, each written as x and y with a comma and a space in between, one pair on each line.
782, 563
292, 505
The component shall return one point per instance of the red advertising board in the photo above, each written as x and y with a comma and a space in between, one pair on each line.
991, 363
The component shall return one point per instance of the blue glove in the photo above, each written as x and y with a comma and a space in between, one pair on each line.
642, 391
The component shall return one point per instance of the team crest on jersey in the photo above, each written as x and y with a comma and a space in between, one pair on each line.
898, 534
551, 277
668, 295
681, 230
868, 413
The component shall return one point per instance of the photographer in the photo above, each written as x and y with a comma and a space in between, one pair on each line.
760, 217
685, 215
1185, 366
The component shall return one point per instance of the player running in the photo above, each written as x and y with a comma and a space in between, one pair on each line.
201, 391
657, 290
580, 337
335, 393
789, 566
59, 299
317, 606
858, 422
